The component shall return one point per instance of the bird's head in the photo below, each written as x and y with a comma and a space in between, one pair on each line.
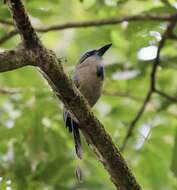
99, 53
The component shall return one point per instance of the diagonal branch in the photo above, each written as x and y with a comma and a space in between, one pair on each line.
93, 23
152, 88
103, 146
22, 22
165, 36
136, 119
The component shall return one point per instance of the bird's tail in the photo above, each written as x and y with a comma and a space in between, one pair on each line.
77, 139
74, 129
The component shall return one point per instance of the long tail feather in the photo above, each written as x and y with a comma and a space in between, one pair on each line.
67, 120
73, 127
77, 139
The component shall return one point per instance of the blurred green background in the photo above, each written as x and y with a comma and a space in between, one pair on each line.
37, 152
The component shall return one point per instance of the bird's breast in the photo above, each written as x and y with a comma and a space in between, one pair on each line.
90, 80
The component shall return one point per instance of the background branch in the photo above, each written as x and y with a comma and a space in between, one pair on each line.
173, 36
152, 88
170, 98
93, 23
136, 119
8, 36
6, 22
111, 21
15, 59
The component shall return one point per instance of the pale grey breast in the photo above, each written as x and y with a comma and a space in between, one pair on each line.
88, 82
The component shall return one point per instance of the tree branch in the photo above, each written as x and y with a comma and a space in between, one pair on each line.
22, 22
92, 23
170, 98
173, 36
103, 146
152, 88
136, 119
15, 59
112, 21
165, 36
8, 36
6, 22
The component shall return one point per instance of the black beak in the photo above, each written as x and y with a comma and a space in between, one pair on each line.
103, 49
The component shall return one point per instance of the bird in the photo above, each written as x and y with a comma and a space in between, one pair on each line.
88, 77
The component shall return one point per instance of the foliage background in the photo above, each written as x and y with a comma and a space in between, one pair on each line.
36, 151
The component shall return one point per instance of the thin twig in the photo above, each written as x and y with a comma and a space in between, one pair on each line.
165, 36
8, 36
136, 119
163, 94
152, 88
6, 22
173, 36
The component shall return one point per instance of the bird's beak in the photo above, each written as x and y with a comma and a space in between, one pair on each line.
103, 49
